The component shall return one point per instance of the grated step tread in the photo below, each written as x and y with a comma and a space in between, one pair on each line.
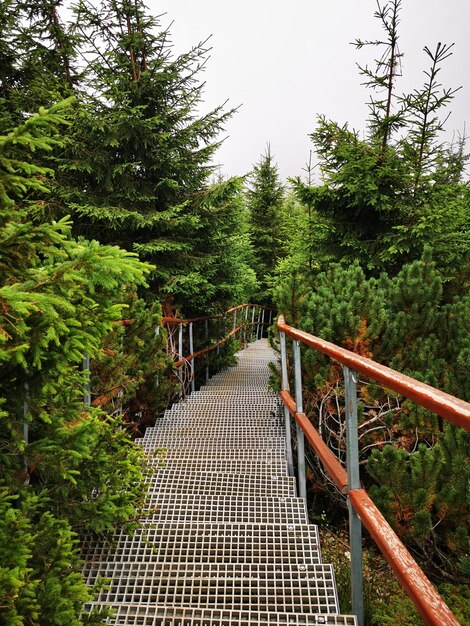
225, 509
220, 465
216, 543
221, 586
155, 615
249, 485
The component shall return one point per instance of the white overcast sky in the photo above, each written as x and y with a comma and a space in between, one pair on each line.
287, 62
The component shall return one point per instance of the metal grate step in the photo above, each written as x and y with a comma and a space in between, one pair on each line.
213, 543
242, 586
217, 509
221, 465
247, 485
237, 454
221, 415
202, 429
154, 615
214, 443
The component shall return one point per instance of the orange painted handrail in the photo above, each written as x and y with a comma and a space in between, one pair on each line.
428, 602
190, 358
194, 355
176, 320
451, 408
332, 466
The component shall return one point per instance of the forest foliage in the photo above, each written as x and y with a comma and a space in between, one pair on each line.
109, 210
377, 260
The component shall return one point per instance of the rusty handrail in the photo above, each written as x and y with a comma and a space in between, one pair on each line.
176, 320
428, 602
451, 408
188, 322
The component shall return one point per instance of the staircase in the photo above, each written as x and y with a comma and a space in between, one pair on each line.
225, 540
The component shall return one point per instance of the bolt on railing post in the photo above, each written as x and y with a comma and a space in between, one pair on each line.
86, 384
191, 350
285, 387
354, 482
206, 325
299, 408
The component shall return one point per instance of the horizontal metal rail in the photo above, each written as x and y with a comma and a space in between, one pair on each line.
239, 325
176, 320
451, 408
426, 599
194, 355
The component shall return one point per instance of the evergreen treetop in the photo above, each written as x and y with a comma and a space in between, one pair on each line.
265, 195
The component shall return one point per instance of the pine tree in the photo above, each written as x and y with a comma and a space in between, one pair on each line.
222, 255
417, 462
385, 119
264, 198
39, 57
424, 495
385, 198
138, 154
64, 468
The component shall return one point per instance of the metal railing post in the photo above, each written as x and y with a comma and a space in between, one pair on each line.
253, 321
180, 354
261, 331
300, 409
26, 431
258, 325
86, 384
207, 345
234, 320
285, 387
191, 350
180, 340
245, 330
354, 482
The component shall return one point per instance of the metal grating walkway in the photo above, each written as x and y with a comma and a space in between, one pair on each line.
225, 541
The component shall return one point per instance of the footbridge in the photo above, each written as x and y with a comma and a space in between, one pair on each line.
225, 538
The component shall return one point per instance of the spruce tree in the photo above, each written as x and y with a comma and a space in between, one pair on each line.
64, 468
388, 196
264, 199
385, 116
138, 154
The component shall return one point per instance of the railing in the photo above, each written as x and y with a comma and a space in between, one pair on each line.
427, 601
209, 333
245, 320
